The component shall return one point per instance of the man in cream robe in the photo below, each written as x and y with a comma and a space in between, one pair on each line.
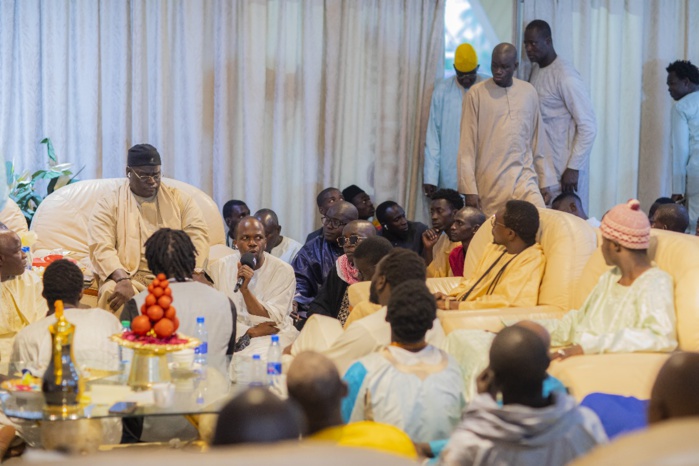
503, 154
444, 204
21, 302
266, 296
122, 221
566, 110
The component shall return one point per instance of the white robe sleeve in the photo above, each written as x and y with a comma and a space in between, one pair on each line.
680, 150
468, 144
542, 153
579, 105
432, 141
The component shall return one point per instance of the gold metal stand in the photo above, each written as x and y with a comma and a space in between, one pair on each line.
148, 368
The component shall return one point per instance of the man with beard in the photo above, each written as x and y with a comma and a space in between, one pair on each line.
401, 232
437, 245
317, 257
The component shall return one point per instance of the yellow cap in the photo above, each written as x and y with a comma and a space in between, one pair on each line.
465, 58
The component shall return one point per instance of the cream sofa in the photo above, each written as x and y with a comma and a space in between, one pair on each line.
13, 218
633, 374
567, 241
61, 219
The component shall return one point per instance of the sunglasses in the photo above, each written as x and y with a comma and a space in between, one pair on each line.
352, 240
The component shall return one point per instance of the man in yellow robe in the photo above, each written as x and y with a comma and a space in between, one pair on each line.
21, 302
510, 271
503, 153
122, 221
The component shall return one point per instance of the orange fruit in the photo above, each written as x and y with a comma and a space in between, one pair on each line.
140, 325
144, 308
155, 312
164, 284
155, 283
164, 328
167, 291
176, 321
161, 276
157, 292
170, 312
164, 302
150, 288
150, 300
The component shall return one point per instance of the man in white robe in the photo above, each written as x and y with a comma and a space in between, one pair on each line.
566, 111
683, 84
21, 302
444, 125
263, 300
503, 154
279, 246
123, 220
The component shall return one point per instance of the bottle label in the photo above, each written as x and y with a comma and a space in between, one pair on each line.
201, 349
274, 368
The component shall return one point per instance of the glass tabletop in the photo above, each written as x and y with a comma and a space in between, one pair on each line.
190, 392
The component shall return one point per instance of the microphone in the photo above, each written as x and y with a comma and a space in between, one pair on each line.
250, 260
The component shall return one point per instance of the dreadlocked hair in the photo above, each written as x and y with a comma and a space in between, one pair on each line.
63, 280
401, 265
411, 311
171, 252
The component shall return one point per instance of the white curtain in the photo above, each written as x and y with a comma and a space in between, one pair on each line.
262, 100
621, 47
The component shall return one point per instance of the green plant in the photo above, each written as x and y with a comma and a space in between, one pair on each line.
23, 187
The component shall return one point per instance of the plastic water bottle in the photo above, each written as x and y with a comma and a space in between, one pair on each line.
274, 361
201, 352
28, 252
257, 371
125, 354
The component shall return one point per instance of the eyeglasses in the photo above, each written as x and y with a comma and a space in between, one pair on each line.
493, 222
351, 240
333, 222
153, 177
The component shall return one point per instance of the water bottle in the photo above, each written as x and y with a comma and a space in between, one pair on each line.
274, 361
257, 371
28, 252
125, 354
201, 352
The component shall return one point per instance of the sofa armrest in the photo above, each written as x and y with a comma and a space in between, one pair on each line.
625, 374
492, 319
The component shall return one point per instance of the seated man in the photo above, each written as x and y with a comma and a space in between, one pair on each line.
570, 203
408, 384
674, 393
325, 199
373, 332
258, 416
509, 272
233, 212
512, 421
123, 220
332, 297
401, 232
466, 223
317, 257
632, 306
314, 383
360, 199
657, 203
171, 252
437, 245
279, 246
21, 301
92, 347
263, 300
672, 217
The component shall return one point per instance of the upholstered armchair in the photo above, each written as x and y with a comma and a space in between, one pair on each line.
13, 218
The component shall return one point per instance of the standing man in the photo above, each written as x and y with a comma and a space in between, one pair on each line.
566, 110
502, 149
683, 83
124, 219
443, 128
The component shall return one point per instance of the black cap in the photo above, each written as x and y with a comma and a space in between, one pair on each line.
143, 155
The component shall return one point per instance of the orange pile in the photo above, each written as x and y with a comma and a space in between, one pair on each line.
158, 317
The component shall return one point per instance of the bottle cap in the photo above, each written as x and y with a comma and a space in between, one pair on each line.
126, 324
200, 320
26, 248
256, 356
275, 338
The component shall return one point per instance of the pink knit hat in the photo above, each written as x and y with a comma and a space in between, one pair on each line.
627, 225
